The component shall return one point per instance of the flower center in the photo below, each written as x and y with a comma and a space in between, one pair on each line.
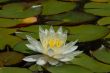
53, 43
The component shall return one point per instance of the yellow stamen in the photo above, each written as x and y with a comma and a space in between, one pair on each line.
51, 43
58, 43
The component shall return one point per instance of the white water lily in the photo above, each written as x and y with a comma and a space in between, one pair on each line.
52, 47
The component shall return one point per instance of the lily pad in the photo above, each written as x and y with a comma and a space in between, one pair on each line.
14, 69
10, 58
21, 47
88, 62
101, 0
33, 28
70, 17
102, 55
2, 1
104, 21
35, 68
100, 9
7, 39
68, 69
85, 33
51, 7
9, 22
19, 10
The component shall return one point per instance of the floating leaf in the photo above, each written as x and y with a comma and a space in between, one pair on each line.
2, 1
14, 69
101, 0
88, 62
104, 21
102, 55
33, 28
6, 38
21, 47
35, 68
68, 69
19, 10
9, 22
100, 9
9, 58
51, 7
85, 33
70, 17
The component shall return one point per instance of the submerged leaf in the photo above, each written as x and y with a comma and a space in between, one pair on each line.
10, 58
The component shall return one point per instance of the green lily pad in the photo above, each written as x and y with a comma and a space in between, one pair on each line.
51, 7
101, 0
104, 21
35, 67
88, 62
68, 69
102, 55
70, 17
9, 22
21, 47
84, 33
33, 28
10, 58
2, 1
14, 69
100, 9
19, 10
6, 38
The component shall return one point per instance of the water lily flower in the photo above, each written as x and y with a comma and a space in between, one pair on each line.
52, 46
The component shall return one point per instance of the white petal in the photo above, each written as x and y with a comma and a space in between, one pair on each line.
34, 44
77, 53
68, 47
60, 30
41, 61
70, 56
51, 30
53, 62
32, 58
41, 29
34, 48
65, 59
69, 50
50, 52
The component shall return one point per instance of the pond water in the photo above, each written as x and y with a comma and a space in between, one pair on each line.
87, 21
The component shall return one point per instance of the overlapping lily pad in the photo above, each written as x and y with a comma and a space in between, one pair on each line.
102, 55
51, 7
101, 0
21, 47
6, 38
100, 9
85, 33
69, 69
88, 62
104, 21
9, 22
14, 69
19, 10
2, 1
70, 17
